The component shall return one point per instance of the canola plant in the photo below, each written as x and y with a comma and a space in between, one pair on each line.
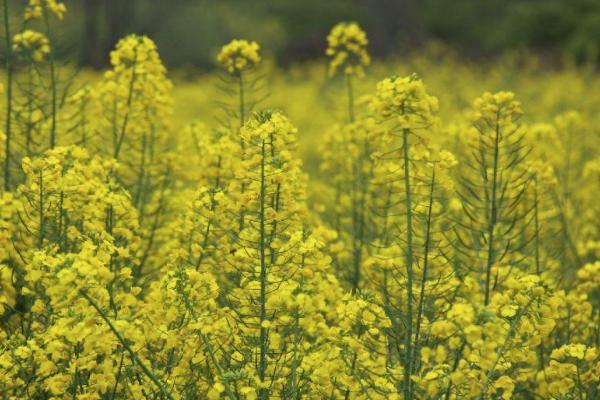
165, 242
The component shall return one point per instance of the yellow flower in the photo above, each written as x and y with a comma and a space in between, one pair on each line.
238, 56
31, 44
23, 352
506, 384
500, 105
404, 100
35, 9
265, 324
508, 311
347, 47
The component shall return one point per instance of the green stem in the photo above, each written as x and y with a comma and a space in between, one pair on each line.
358, 217
263, 393
121, 136
53, 82
538, 269
114, 391
350, 97
492, 217
29, 128
409, 270
242, 112
242, 101
425, 267
41, 230
536, 225
142, 173
9, 87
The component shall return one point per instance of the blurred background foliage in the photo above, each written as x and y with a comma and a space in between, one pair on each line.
189, 32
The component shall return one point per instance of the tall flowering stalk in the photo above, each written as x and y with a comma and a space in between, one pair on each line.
266, 257
44, 10
238, 58
32, 107
347, 47
405, 107
491, 200
135, 100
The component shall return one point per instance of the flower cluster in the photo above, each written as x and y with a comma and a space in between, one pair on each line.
347, 47
238, 56
35, 9
491, 107
406, 100
572, 367
137, 93
31, 44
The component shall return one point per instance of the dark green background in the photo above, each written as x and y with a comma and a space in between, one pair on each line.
189, 32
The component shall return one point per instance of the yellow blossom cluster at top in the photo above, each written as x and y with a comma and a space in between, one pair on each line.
35, 9
347, 47
239, 55
491, 105
137, 86
406, 99
31, 44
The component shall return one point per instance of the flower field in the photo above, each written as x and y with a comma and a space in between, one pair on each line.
354, 228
